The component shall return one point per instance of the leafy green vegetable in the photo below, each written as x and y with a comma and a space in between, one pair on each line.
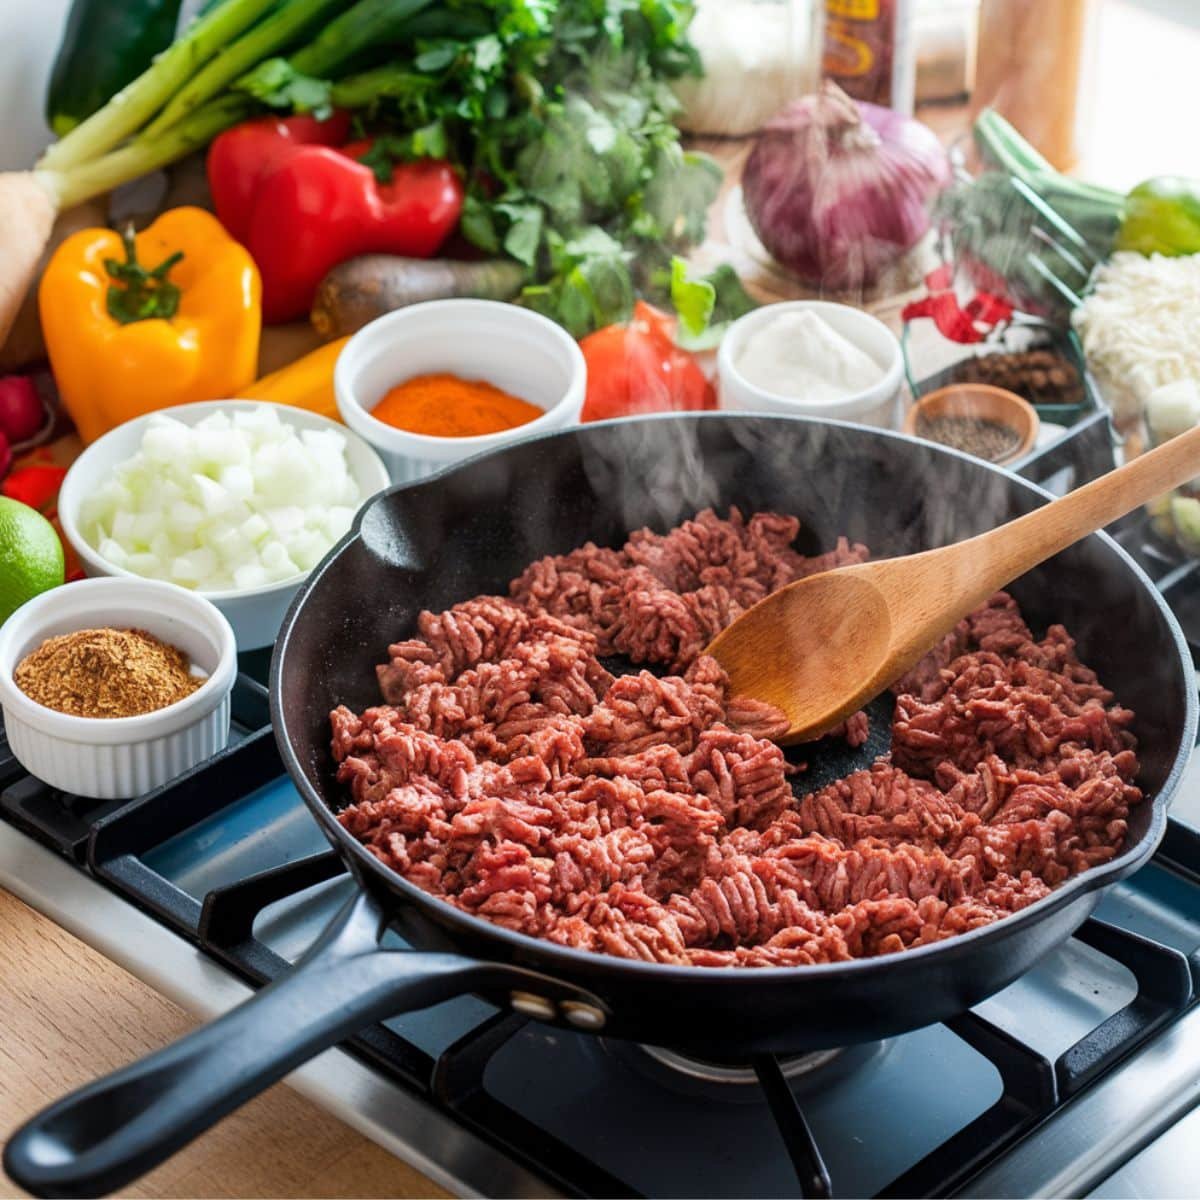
392, 148
560, 115
558, 112
278, 84
706, 305
694, 299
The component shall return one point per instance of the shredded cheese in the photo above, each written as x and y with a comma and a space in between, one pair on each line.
1140, 326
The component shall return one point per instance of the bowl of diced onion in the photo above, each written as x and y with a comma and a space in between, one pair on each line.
235, 499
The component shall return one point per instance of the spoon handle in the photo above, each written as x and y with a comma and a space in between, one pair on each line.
1003, 554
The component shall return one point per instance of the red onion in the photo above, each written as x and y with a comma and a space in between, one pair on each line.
837, 190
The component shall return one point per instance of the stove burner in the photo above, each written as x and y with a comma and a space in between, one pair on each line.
712, 1072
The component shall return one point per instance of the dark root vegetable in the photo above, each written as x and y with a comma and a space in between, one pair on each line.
364, 288
838, 190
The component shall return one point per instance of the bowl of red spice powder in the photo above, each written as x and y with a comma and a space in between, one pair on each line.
435, 383
112, 687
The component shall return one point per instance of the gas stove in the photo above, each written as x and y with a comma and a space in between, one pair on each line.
1083, 1078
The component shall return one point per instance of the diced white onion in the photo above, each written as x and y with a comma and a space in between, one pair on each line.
238, 501
1138, 326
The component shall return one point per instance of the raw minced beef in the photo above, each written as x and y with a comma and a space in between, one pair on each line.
512, 775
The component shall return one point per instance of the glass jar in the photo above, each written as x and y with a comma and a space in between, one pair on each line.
758, 56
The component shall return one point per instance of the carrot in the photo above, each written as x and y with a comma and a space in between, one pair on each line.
364, 288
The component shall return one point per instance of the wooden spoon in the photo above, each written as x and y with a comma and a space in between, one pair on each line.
822, 647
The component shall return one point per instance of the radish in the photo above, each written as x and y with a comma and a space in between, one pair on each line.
22, 413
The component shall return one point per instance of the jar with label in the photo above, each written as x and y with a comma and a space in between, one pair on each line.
758, 56
870, 52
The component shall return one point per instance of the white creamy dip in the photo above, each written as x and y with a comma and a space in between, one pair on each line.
798, 354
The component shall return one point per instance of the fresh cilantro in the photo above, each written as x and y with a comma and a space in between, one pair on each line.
388, 149
559, 114
524, 235
437, 58
694, 299
706, 304
278, 84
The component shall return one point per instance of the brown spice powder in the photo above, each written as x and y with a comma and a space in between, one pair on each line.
106, 673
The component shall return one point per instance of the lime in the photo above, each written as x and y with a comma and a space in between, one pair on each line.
31, 556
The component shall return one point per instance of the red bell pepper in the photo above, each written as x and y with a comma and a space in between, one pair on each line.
35, 485
971, 322
293, 192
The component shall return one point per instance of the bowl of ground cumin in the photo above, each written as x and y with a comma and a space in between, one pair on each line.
112, 687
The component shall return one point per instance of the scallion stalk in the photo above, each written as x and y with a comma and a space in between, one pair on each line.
369, 23
357, 91
1094, 212
135, 104
301, 81
269, 37
84, 180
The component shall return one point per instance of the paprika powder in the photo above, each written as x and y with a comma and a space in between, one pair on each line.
443, 405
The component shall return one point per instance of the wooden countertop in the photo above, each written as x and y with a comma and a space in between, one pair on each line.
67, 1015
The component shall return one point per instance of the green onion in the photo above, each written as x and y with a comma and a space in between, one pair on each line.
101, 175
130, 108
270, 36
369, 23
91, 160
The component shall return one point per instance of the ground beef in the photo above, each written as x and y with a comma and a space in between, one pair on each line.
650, 815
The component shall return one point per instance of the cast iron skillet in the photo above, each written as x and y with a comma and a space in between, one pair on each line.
468, 531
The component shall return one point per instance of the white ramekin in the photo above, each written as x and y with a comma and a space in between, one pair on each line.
875, 406
254, 613
508, 346
123, 756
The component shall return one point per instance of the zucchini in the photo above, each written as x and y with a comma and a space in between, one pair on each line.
105, 45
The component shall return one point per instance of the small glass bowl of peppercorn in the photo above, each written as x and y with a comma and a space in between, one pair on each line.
112, 687
1040, 364
988, 422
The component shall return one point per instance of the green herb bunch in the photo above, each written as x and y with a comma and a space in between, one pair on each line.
559, 113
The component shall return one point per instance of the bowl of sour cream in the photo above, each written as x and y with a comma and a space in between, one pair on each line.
813, 358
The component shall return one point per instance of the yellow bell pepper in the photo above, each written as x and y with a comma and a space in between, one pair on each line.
137, 323
305, 383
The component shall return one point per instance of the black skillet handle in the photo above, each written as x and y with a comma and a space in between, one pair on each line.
108, 1133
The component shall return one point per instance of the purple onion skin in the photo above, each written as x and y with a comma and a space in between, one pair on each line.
838, 190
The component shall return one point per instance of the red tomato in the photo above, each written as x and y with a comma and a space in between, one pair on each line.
638, 368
